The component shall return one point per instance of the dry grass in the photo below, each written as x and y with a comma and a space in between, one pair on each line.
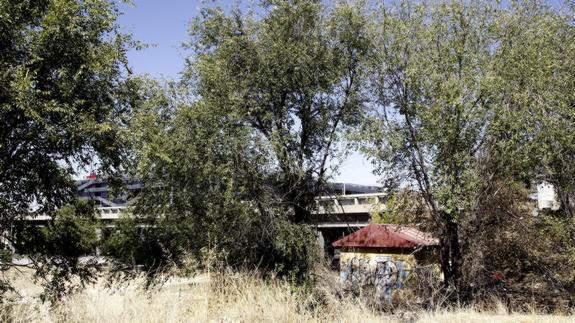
229, 298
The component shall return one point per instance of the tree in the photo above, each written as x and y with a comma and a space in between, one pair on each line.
430, 105
530, 139
64, 97
468, 104
533, 80
293, 78
233, 168
204, 187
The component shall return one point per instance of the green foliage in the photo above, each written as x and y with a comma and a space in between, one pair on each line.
466, 103
64, 99
71, 234
556, 244
471, 99
292, 79
294, 250
428, 75
533, 81
205, 195
229, 172
390, 215
55, 250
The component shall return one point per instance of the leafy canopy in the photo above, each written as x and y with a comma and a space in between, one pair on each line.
65, 97
471, 99
293, 78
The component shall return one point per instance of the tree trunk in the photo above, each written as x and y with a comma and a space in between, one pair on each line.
301, 214
301, 196
450, 252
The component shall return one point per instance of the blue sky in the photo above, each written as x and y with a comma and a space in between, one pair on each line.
164, 24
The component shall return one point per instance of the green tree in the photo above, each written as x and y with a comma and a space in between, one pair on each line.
292, 77
203, 195
231, 168
471, 98
426, 126
402, 207
533, 80
64, 98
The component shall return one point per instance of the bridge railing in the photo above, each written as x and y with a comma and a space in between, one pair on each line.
104, 213
110, 212
351, 204
340, 204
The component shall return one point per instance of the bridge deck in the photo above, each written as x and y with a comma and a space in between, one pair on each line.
341, 211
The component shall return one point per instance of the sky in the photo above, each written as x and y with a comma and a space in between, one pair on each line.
163, 25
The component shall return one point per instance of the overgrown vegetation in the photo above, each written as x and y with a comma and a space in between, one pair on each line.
471, 111
65, 96
55, 251
245, 297
462, 107
232, 174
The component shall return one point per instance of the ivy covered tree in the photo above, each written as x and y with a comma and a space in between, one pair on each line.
64, 96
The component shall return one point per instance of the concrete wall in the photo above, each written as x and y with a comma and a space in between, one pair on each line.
378, 254
385, 269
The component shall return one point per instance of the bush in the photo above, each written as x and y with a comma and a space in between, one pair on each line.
158, 245
54, 251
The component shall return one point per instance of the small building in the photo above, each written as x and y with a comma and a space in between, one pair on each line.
384, 255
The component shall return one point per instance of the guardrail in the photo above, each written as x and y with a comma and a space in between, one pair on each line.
104, 213
110, 212
341, 204
351, 204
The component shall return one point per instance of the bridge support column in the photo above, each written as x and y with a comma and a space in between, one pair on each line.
99, 236
321, 244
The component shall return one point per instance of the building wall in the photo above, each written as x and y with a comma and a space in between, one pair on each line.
378, 254
386, 269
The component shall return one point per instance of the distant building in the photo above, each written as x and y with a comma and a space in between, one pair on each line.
97, 189
349, 188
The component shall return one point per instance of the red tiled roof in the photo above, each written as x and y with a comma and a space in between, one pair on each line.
387, 236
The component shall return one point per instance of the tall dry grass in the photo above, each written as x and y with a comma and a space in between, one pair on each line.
231, 298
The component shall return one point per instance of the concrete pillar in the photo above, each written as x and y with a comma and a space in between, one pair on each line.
321, 244
99, 236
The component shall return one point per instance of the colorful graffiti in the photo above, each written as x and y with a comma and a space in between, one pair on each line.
384, 274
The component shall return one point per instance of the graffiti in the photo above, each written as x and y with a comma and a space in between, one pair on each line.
382, 273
